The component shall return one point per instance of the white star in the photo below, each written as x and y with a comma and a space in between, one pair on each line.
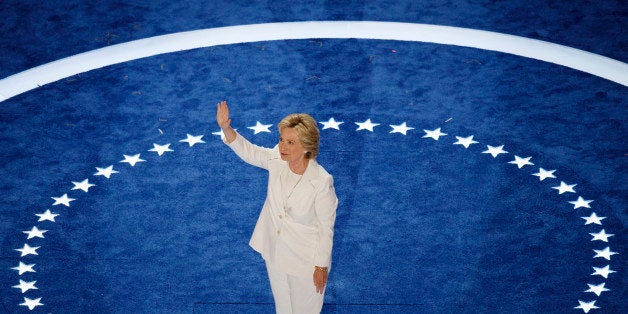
465, 141
494, 151
83, 185
26, 285
35, 233
62, 200
192, 140
366, 125
47, 216
597, 289
27, 249
564, 187
601, 236
31, 303
593, 219
520, 162
586, 306
23, 268
581, 202
604, 271
402, 128
161, 149
544, 174
258, 128
435, 134
106, 172
132, 160
331, 124
221, 133
605, 253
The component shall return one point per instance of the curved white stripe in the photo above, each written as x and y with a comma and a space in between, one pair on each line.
570, 57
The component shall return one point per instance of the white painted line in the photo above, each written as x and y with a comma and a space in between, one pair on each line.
594, 64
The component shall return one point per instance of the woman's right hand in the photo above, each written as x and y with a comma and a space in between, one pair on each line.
222, 115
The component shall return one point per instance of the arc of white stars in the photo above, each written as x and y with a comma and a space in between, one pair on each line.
401, 128
581, 202
193, 140
603, 271
83, 185
64, 199
32, 303
434, 134
132, 160
259, 127
366, 125
521, 162
465, 141
597, 289
331, 124
564, 187
495, 151
601, 236
24, 268
586, 306
35, 233
605, 253
27, 249
105, 172
593, 219
47, 215
26, 285
544, 174
161, 149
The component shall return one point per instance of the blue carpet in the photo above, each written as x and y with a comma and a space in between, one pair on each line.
424, 225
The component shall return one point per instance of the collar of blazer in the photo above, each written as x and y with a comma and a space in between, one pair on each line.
311, 174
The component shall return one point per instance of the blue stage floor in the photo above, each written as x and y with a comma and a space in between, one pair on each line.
469, 180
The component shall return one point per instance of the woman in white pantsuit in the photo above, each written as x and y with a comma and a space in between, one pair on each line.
295, 229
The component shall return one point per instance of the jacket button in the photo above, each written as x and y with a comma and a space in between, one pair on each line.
280, 216
278, 232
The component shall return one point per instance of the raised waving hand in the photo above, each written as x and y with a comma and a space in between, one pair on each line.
223, 120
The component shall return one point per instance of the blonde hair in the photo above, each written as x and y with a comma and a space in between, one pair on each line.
307, 131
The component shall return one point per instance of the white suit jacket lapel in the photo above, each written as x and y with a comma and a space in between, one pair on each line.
310, 176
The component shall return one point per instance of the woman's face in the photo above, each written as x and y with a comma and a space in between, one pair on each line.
290, 146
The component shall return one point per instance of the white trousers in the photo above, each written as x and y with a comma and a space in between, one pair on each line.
294, 295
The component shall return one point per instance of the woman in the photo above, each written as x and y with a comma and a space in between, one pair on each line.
295, 229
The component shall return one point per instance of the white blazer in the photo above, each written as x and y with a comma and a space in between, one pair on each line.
293, 234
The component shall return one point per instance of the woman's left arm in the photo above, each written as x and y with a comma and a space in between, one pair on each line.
325, 205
